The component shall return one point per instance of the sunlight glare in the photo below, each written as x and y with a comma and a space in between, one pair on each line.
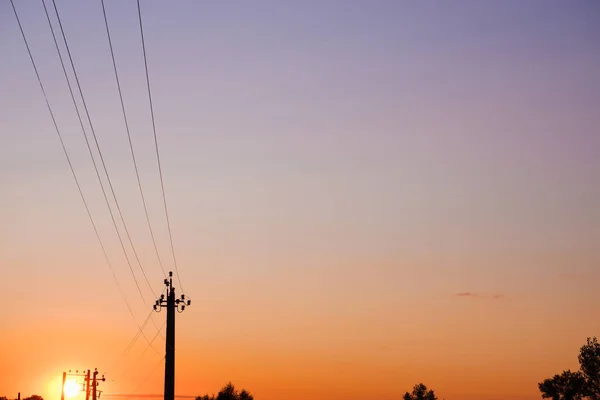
72, 389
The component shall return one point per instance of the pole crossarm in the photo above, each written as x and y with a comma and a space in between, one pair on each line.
163, 301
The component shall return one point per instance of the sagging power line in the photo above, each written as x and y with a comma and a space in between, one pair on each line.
68, 158
135, 166
103, 163
83, 130
162, 184
170, 302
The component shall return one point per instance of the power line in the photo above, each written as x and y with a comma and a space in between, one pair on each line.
67, 155
153, 339
103, 164
162, 185
137, 173
135, 338
63, 143
151, 372
131, 343
83, 130
93, 159
150, 344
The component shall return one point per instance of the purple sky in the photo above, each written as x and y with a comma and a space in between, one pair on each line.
321, 158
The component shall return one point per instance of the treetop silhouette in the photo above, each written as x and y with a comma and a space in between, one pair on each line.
584, 383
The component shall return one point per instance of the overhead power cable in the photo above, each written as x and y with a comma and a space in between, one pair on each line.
136, 337
92, 156
153, 339
137, 173
162, 184
66, 153
158, 364
103, 165
132, 343
149, 346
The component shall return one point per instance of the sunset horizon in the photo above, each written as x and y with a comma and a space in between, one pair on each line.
354, 198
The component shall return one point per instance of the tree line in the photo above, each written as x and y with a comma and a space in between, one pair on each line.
568, 385
32, 397
229, 392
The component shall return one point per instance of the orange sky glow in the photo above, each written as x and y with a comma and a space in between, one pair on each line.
362, 196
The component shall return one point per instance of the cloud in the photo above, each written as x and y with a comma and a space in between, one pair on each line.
473, 295
467, 294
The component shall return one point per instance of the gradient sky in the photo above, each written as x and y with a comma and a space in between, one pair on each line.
364, 195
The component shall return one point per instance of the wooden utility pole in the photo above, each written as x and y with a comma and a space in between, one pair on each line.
95, 380
89, 385
172, 304
62, 391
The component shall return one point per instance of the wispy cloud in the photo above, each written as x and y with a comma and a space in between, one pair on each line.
474, 295
467, 294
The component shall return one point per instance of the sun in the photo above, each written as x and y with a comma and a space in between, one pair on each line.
72, 389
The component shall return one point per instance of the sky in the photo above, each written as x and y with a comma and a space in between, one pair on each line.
363, 195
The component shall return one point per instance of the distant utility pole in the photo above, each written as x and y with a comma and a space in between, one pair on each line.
86, 384
171, 304
95, 380
89, 384
85, 376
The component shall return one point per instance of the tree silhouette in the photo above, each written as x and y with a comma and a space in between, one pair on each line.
244, 395
577, 385
589, 361
228, 392
420, 392
34, 397
566, 386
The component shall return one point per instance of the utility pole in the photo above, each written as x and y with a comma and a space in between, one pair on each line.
172, 304
62, 391
86, 379
95, 380
89, 384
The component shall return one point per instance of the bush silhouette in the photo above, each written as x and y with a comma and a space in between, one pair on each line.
420, 392
228, 392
